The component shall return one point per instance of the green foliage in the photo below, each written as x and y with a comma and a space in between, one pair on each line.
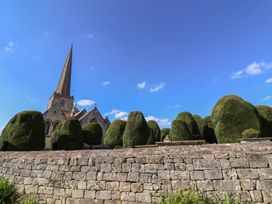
29, 200
208, 131
180, 131
164, 133
251, 133
231, 116
191, 123
67, 136
193, 196
266, 119
200, 124
8, 192
155, 132
92, 133
136, 131
114, 135
24, 132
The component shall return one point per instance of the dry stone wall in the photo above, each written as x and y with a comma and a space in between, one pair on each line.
142, 175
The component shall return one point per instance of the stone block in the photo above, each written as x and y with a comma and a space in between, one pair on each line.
77, 193
128, 196
134, 177
179, 175
247, 173
197, 175
79, 176
229, 174
256, 196
248, 185
264, 184
225, 163
257, 160
82, 161
164, 175
205, 185
137, 187
109, 176
265, 174
267, 195
103, 195
82, 185
143, 197
91, 176
116, 195
126, 167
202, 164
124, 186
227, 185
181, 185
121, 177
213, 174
105, 168
112, 186
239, 162
89, 194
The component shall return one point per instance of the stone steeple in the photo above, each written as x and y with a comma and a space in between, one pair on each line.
64, 85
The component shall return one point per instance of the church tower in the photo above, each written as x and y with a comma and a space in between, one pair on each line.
61, 96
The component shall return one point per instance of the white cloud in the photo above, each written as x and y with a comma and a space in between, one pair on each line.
10, 47
141, 85
162, 122
90, 36
157, 87
254, 68
173, 107
106, 83
267, 98
268, 81
85, 102
118, 114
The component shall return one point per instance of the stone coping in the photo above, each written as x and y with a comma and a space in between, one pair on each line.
214, 149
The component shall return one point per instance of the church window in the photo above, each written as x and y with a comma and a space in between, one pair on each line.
47, 127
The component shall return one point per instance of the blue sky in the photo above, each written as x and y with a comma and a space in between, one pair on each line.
157, 56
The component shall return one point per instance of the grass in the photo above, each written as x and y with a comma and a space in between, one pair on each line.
194, 196
10, 195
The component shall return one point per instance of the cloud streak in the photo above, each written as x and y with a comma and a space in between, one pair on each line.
10, 47
157, 87
255, 68
141, 85
86, 102
162, 122
106, 83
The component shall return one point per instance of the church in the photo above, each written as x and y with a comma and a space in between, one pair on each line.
61, 106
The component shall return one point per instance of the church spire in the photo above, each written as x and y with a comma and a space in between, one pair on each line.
65, 79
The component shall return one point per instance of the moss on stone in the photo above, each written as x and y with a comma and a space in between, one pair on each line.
114, 135
24, 132
180, 131
136, 131
67, 136
266, 119
251, 133
191, 123
164, 133
231, 116
155, 132
92, 133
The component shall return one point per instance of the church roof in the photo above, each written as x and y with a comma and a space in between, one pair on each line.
64, 85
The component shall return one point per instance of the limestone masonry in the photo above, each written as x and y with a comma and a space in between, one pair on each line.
142, 175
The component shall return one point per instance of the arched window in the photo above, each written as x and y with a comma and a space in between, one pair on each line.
55, 125
47, 127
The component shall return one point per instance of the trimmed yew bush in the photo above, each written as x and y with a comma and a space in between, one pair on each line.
114, 135
92, 133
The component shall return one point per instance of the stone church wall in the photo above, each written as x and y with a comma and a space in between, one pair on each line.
142, 175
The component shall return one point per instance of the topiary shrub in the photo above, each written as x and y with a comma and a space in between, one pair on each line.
136, 131
164, 133
180, 131
24, 132
231, 116
266, 119
155, 132
114, 135
200, 124
251, 133
67, 136
191, 123
92, 133
208, 131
